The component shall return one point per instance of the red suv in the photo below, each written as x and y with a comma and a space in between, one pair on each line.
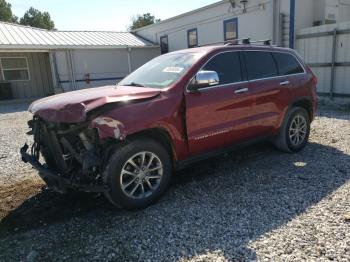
127, 140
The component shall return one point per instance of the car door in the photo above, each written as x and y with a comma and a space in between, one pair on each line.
219, 115
292, 73
267, 89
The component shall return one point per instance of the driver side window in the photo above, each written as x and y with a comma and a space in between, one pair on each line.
228, 67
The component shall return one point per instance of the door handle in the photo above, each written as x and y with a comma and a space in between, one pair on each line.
284, 83
241, 91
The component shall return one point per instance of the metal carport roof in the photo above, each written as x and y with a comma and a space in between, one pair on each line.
14, 36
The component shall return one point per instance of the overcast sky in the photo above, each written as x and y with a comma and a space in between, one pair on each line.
104, 14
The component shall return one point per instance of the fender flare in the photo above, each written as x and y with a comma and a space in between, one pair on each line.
290, 105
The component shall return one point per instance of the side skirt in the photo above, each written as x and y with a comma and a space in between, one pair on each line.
203, 156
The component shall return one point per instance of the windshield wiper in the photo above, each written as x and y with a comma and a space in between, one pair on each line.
135, 84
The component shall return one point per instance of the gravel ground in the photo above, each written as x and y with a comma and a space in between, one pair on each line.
254, 204
13, 130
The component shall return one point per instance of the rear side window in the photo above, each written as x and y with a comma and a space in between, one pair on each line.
260, 65
287, 64
227, 66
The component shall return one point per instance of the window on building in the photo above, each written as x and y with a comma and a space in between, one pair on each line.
192, 38
228, 67
231, 29
287, 64
164, 44
14, 68
260, 65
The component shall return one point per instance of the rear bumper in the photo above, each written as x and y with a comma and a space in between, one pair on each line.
54, 180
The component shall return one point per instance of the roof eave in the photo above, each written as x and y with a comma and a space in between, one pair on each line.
65, 47
180, 16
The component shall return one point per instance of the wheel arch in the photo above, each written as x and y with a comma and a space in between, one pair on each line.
304, 102
158, 134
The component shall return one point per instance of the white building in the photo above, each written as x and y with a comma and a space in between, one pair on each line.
36, 62
330, 11
278, 20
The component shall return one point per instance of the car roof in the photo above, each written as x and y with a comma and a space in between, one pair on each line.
228, 47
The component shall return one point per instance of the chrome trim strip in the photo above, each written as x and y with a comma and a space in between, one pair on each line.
275, 77
219, 86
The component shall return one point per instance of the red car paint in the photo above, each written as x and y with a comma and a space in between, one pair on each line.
195, 122
72, 107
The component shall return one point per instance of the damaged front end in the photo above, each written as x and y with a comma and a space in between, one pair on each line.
74, 136
73, 155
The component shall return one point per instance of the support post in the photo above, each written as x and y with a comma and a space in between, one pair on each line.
292, 24
129, 59
276, 22
53, 71
334, 53
71, 69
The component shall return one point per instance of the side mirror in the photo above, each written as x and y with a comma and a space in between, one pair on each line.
203, 79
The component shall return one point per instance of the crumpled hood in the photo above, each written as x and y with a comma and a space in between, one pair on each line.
72, 107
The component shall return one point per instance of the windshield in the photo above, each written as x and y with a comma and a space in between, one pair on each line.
162, 71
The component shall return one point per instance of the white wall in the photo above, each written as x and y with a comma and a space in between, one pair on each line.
100, 64
140, 56
340, 8
319, 50
304, 13
257, 23
319, 10
344, 10
104, 66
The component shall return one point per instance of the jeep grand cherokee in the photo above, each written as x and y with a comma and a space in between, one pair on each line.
126, 140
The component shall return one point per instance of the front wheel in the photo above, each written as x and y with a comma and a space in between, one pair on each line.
137, 174
295, 130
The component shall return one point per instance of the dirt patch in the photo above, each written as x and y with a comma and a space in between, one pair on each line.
29, 204
12, 196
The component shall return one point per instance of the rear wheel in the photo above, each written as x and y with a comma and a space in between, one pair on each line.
294, 132
137, 174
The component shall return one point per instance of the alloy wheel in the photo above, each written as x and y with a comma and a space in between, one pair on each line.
141, 175
298, 130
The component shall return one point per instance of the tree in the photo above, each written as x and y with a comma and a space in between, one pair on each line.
142, 20
35, 18
6, 14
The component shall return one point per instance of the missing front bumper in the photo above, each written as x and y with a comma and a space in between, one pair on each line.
54, 180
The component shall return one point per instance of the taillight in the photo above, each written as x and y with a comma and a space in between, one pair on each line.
314, 79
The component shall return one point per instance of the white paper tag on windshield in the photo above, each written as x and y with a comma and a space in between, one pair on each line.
173, 69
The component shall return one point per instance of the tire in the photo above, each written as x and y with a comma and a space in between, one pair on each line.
120, 171
285, 141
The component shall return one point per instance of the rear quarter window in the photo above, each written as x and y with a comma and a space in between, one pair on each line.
287, 64
260, 65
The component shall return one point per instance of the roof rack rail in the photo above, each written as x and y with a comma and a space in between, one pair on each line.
243, 41
265, 41
227, 42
